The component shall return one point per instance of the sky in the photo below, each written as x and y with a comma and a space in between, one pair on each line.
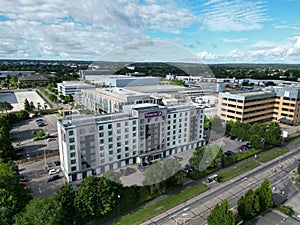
215, 31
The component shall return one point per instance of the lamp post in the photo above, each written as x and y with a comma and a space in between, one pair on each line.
118, 207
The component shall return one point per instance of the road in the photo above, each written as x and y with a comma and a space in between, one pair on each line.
196, 210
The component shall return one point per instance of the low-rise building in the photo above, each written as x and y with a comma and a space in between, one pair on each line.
71, 87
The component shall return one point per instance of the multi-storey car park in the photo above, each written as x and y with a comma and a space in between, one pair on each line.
95, 144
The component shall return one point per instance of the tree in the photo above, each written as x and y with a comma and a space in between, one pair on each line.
249, 205
40, 134
45, 210
66, 197
206, 156
95, 197
299, 168
207, 122
26, 105
4, 106
32, 107
221, 214
158, 176
265, 195
13, 197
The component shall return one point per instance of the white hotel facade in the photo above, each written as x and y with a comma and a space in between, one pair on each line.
95, 144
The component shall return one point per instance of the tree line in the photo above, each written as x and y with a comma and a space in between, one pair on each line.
249, 205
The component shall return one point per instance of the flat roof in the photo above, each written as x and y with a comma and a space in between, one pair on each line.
156, 88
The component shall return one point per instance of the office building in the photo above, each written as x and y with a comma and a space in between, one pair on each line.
71, 87
281, 104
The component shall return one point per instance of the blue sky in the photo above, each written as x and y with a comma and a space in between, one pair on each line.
215, 31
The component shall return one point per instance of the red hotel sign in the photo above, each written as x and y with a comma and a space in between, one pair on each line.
153, 114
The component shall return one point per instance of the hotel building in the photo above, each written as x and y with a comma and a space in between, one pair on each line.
95, 144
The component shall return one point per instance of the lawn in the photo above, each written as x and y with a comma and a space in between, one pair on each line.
237, 170
156, 208
271, 155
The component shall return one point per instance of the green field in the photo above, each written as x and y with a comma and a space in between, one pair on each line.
158, 207
271, 155
237, 170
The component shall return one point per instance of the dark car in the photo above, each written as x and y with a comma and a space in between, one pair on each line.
19, 149
53, 178
229, 153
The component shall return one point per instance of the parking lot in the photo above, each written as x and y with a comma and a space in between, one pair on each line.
24, 132
38, 177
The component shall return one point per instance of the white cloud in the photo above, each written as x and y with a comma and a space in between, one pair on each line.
260, 52
237, 40
233, 15
83, 29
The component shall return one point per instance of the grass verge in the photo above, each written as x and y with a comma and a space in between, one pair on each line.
156, 208
237, 170
271, 155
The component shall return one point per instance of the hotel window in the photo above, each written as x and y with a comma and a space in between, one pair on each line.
133, 122
71, 140
73, 161
71, 133
81, 131
72, 154
119, 157
101, 148
109, 126
82, 138
101, 154
119, 150
133, 128
72, 147
126, 123
118, 124
110, 146
101, 134
100, 127
110, 133
142, 121
110, 139
126, 154
91, 129
111, 152
73, 168
102, 161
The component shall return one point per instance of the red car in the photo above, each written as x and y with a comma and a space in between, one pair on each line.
23, 183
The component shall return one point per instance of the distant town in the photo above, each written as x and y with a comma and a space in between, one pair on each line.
149, 143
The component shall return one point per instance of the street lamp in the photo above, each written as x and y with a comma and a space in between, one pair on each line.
118, 207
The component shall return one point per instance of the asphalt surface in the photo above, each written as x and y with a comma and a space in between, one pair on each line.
23, 135
196, 210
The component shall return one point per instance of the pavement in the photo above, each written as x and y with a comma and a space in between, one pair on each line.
17, 97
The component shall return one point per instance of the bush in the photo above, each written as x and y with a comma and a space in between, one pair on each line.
285, 209
291, 137
195, 175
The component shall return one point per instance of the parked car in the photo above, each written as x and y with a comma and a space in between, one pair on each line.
53, 171
42, 124
20, 155
141, 168
229, 153
53, 178
19, 149
39, 120
23, 183
51, 139
28, 156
